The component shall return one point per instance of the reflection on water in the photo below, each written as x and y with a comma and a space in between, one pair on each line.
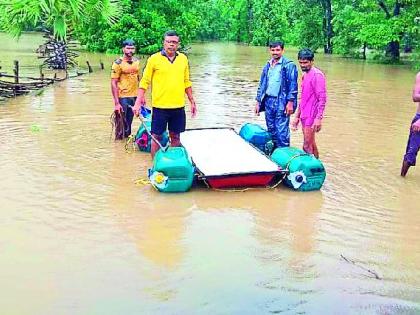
79, 237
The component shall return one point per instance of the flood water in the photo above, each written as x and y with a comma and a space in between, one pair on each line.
79, 236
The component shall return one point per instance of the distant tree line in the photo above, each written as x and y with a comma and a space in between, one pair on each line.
346, 27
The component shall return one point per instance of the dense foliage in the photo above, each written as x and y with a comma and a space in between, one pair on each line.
347, 27
145, 22
363, 28
56, 16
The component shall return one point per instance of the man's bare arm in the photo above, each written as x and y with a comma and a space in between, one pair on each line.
188, 91
416, 89
140, 101
114, 89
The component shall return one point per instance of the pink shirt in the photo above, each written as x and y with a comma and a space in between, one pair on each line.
314, 94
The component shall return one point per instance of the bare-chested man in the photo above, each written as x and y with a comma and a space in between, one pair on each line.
413, 144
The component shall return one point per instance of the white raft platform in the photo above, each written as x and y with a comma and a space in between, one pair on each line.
226, 160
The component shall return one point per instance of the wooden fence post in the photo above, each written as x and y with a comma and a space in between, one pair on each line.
16, 70
89, 67
41, 73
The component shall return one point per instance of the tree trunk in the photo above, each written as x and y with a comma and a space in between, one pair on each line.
407, 43
364, 51
328, 48
58, 54
393, 51
250, 18
238, 33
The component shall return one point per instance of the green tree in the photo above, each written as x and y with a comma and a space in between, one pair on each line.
145, 22
350, 27
268, 22
371, 24
56, 16
306, 24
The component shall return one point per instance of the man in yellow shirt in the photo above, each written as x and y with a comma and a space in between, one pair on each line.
124, 83
168, 74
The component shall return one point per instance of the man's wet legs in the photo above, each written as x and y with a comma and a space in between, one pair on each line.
413, 146
309, 145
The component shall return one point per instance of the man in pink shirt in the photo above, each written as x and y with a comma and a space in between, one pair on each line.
312, 103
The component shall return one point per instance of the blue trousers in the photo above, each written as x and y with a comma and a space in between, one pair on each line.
277, 122
413, 144
127, 104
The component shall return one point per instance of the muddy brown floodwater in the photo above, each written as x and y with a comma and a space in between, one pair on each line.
79, 237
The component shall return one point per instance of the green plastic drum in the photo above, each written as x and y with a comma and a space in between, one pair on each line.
305, 171
172, 170
257, 136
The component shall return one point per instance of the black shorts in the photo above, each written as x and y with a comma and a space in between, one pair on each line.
171, 118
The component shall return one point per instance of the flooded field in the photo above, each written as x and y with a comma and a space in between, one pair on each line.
80, 237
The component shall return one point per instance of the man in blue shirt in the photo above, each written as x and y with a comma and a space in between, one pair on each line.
277, 94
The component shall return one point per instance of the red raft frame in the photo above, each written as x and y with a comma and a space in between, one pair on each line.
262, 174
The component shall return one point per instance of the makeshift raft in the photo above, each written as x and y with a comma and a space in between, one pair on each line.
224, 160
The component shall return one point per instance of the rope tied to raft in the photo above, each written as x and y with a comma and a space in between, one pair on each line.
202, 177
163, 148
142, 182
130, 144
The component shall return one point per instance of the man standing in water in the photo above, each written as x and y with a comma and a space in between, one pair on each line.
312, 103
413, 144
168, 74
277, 94
124, 83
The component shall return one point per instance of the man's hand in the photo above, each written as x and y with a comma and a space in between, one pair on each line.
118, 108
139, 110
193, 108
136, 109
295, 123
317, 125
416, 126
289, 108
257, 108
140, 101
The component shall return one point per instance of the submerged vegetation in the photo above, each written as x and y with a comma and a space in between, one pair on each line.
346, 27
58, 18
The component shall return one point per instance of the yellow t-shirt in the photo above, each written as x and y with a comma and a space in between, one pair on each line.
167, 79
127, 75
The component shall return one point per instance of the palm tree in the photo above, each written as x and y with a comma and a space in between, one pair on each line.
56, 18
